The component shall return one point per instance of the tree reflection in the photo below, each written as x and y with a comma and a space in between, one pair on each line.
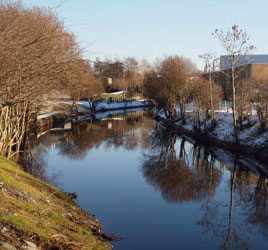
184, 172
252, 194
233, 238
83, 136
259, 213
130, 132
39, 165
188, 175
180, 171
127, 131
247, 208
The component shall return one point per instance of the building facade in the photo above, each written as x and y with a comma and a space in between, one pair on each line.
249, 67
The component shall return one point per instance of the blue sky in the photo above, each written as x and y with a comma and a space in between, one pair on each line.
153, 28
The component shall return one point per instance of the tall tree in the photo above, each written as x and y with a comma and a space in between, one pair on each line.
144, 68
35, 52
236, 44
132, 77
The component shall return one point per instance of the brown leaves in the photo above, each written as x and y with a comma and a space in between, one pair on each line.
35, 52
80, 82
169, 82
37, 56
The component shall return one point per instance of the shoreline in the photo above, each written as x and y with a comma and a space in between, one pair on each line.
256, 153
51, 119
20, 229
34, 213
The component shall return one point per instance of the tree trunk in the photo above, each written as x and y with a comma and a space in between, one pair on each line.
234, 106
211, 99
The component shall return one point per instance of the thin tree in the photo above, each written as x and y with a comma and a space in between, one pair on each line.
236, 44
210, 60
144, 68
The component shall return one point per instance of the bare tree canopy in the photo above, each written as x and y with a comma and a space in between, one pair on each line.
168, 82
235, 43
36, 55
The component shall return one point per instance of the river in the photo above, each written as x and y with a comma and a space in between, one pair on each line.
154, 189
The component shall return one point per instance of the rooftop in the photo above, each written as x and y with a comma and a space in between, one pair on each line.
243, 60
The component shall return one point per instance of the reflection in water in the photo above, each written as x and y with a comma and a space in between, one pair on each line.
193, 174
114, 132
179, 176
259, 208
38, 168
128, 131
230, 200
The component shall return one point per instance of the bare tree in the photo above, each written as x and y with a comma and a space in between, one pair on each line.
110, 69
243, 98
81, 83
236, 44
144, 68
204, 107
210, 61
168, 83
35, 53
132, 77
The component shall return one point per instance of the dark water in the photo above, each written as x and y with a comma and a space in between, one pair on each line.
157, 190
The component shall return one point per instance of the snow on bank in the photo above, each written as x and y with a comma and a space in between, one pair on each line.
107, 114
49, 114
114, 93
116, 105
101, 106
249, 135
106, 104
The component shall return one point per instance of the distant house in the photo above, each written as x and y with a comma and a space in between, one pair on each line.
253, 67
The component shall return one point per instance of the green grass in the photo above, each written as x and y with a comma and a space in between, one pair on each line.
35, 207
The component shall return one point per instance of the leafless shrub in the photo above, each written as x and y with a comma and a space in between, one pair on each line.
202, 90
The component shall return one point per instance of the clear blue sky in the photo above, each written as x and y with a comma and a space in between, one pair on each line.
153, 28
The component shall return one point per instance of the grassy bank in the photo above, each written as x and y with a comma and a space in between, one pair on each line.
37, 212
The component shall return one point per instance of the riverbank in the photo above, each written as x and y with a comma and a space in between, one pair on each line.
54, 118
35, 214
84, 107
253, 142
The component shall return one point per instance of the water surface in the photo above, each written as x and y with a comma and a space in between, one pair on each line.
155, 189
